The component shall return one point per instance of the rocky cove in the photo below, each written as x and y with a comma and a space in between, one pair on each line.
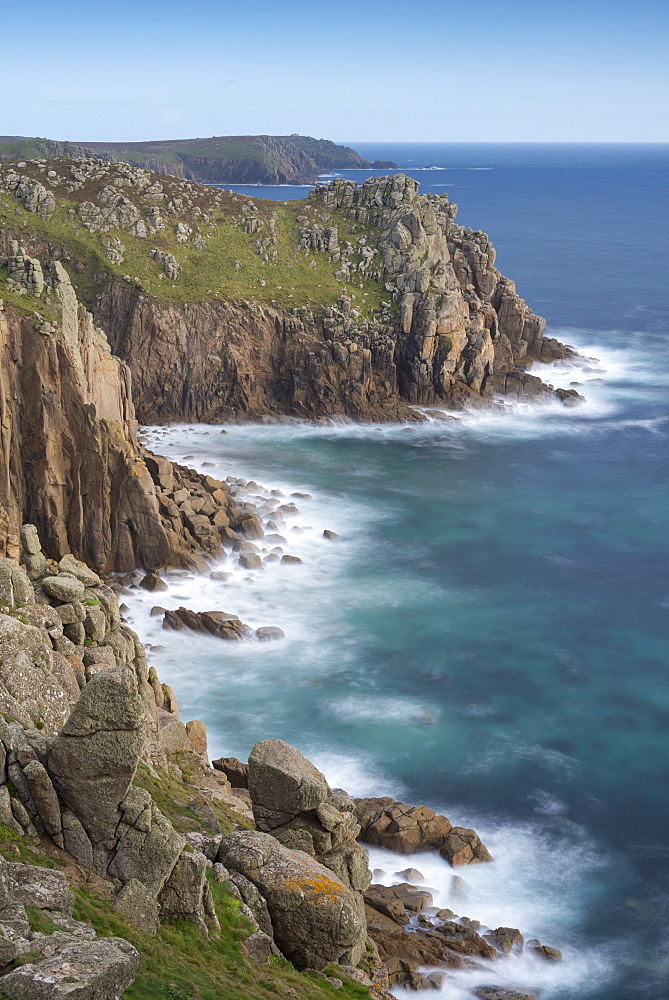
102, 781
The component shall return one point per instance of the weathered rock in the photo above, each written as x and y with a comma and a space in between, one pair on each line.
183, 894
409, 829
196, 731
506, 939
464, 847
63, 587
546, 952
43, 888
79, 570
217, 623
282, 784
151, 581
316, 919
30, 688
76, 840
45, 799
139, 905
270, 633
90, 970
93, 759
293, 801
235, 771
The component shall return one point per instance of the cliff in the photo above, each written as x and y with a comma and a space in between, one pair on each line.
70, 461
249, 159
366, 301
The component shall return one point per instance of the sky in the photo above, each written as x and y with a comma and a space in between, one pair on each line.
447, 71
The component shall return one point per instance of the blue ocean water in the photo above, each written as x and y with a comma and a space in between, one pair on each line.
489, 634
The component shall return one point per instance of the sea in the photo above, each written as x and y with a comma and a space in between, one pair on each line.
488, 634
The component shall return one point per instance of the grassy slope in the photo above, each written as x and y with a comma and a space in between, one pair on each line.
299, 278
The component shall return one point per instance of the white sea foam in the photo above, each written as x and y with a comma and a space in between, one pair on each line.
535, 884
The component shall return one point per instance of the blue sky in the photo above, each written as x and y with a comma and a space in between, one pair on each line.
426, 70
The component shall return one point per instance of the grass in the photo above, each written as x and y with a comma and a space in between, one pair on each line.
172, 797
297, 279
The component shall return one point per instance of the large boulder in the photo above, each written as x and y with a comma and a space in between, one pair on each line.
316, 919
93, 759
88, 970
283, 784
292, 800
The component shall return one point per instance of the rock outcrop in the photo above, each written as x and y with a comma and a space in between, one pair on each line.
70, 462
315, 918
71, 960
392, 305
408, 829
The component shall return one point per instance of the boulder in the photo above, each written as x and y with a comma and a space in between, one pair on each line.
89, 970
545, 951
316, 919
139, 906
282, 784
93, 759
217, 623
235, 771
45, 799
76, 840
63, 587
44, 888
270, 633
196, 731
185, 891
151, 581
79, 570
464, 847
293, 801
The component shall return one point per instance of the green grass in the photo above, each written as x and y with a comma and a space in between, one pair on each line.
172, 797
206, 275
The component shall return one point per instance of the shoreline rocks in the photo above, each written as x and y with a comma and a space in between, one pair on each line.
410, 829
219, 624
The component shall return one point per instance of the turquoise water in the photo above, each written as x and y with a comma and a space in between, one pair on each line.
489, 633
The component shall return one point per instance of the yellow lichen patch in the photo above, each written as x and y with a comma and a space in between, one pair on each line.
318, 884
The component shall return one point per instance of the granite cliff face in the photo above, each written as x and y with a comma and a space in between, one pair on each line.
451, 332
70, 461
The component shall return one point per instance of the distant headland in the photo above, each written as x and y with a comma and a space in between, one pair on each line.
220, 159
